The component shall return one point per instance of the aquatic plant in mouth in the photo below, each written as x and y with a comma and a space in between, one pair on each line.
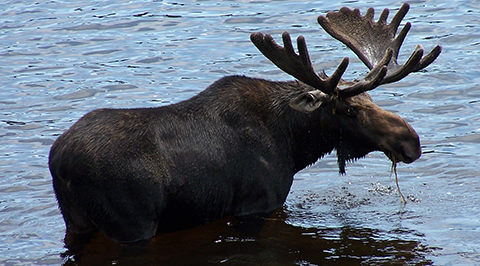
394, 170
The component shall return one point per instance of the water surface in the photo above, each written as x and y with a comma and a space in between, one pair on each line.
61, 59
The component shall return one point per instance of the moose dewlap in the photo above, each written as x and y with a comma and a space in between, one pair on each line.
234, 148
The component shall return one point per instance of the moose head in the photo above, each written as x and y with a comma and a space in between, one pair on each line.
377, 46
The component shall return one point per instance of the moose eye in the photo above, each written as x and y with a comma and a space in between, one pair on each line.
351, 111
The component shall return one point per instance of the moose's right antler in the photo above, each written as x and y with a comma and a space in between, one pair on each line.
371, 40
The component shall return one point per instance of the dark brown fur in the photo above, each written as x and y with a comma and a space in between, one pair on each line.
231, 150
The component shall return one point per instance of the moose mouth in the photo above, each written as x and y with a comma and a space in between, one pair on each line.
391, 156
403, 155
402, 151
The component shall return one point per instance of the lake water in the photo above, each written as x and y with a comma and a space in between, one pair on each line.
61, 59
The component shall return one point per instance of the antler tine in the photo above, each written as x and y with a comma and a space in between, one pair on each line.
372, 80
429, 58
410, 66
370, 40
299, 66
416, 62
398, 17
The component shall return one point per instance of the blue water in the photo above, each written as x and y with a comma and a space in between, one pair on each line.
61, 59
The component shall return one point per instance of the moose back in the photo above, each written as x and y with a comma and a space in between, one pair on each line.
234, 148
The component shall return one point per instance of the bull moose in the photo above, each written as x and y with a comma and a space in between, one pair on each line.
234, 148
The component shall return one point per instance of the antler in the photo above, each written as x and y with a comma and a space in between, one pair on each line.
300, 66
371, 40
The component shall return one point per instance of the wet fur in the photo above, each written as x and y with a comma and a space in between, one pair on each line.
231, 150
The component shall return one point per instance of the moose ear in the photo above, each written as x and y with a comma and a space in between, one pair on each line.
308, 102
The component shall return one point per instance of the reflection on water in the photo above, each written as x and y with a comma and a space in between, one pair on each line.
61, 59
277, 243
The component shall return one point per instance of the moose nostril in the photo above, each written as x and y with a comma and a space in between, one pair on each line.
410, 153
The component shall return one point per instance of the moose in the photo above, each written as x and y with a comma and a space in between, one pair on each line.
234, 148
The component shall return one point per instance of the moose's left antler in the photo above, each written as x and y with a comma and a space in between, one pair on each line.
371, 40
297, 65
300, 66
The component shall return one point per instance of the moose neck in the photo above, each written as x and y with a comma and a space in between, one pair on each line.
310, 136
303, 137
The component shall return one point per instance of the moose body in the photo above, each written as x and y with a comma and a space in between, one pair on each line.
233, 149
175, 166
